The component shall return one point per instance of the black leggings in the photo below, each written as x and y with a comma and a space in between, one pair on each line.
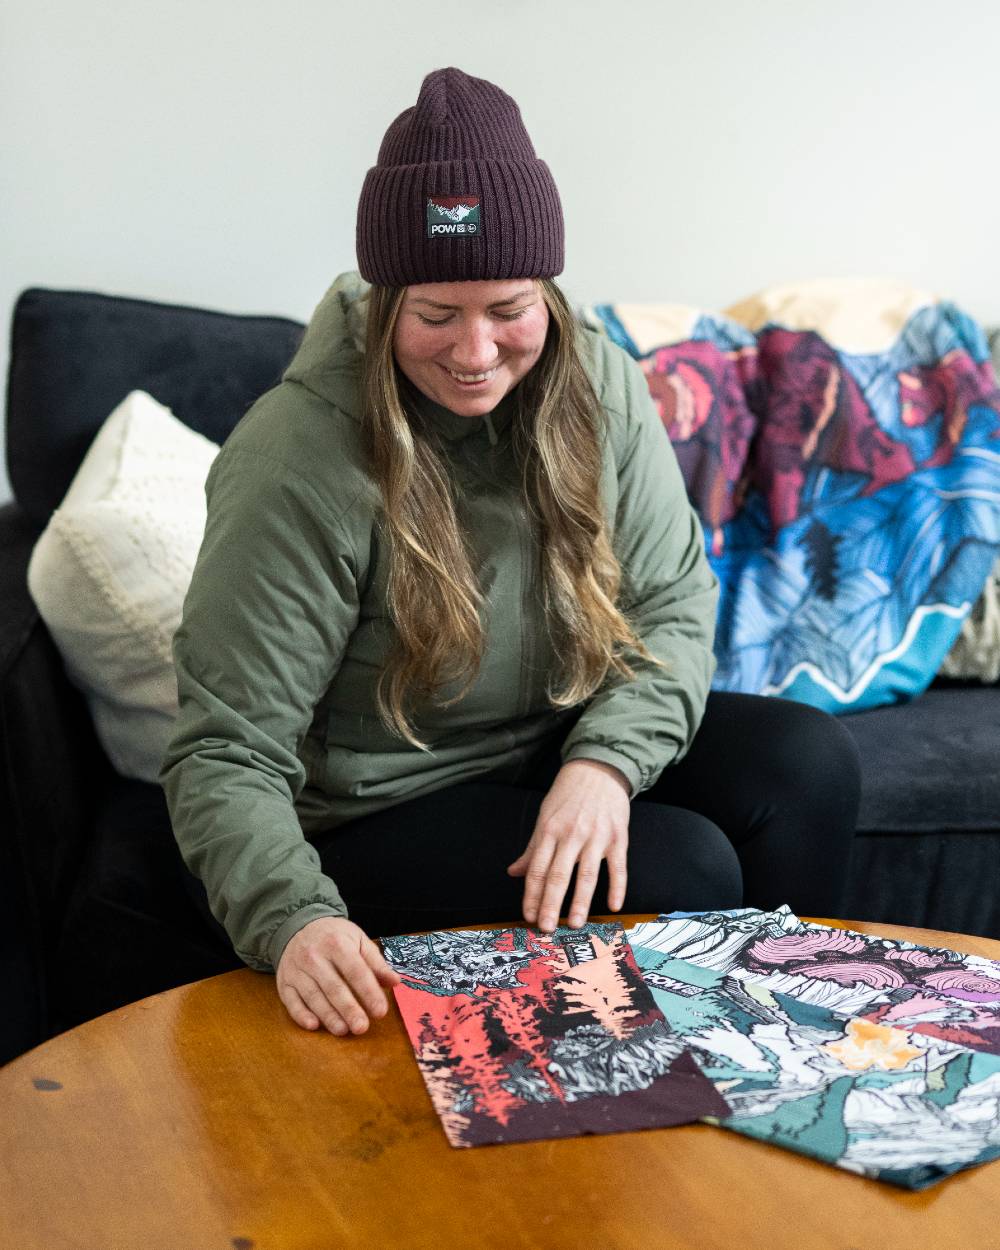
760, 812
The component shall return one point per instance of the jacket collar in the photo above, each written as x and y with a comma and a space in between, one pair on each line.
454, 428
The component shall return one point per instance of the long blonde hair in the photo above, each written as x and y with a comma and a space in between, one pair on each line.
434, 600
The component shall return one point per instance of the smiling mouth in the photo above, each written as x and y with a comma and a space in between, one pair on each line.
470, 379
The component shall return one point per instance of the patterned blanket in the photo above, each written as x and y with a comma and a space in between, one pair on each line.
841, 443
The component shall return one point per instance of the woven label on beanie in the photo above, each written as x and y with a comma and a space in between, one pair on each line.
449, 215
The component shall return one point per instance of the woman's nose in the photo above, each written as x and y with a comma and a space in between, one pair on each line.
475, 347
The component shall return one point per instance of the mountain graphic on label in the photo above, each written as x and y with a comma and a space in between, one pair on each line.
452, 207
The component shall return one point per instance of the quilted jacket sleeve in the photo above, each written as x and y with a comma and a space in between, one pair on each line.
271, 604
669, 594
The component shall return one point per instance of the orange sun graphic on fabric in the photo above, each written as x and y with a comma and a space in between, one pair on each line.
870, 1045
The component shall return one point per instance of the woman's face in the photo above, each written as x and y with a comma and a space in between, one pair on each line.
466, 344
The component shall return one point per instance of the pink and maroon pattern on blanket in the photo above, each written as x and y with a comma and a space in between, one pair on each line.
851, 501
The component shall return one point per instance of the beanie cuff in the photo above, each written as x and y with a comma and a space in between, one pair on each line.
517, 231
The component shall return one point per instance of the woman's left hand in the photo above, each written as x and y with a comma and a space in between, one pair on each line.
583, 820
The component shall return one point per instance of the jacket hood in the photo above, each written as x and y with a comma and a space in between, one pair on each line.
329, 356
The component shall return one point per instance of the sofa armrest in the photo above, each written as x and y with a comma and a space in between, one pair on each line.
51, 771
17, 612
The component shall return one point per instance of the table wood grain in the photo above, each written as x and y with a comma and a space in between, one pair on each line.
203, 1119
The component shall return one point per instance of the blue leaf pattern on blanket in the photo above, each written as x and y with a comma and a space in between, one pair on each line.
851, 502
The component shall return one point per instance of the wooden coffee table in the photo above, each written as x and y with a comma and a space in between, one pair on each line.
203, 1119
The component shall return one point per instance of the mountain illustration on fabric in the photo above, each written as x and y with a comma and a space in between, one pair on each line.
453, 210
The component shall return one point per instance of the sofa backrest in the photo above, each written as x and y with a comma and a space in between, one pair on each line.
76, 354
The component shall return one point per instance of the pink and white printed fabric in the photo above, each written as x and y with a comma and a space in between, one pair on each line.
928, 990
875, 1055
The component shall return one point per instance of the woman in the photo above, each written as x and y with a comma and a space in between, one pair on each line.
448, 642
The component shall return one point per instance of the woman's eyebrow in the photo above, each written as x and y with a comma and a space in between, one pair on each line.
500, 303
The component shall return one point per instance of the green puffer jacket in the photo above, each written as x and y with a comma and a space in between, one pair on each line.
285, 629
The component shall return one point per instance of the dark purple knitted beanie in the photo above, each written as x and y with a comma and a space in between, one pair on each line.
458, 193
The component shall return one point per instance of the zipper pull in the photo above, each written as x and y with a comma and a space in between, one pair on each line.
490, 430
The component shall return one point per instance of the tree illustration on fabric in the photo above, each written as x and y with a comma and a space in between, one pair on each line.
520, 1035
821, 559
608, 1000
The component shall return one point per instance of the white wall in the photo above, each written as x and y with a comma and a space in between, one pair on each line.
210, 152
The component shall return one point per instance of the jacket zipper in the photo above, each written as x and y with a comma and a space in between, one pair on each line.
524, 544
527, 637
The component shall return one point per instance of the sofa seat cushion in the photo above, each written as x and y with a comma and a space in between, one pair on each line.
933, 880
132, 928
932, 765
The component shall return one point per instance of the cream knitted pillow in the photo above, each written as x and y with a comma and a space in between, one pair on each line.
111, 569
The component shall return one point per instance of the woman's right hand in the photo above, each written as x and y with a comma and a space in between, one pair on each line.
332, 973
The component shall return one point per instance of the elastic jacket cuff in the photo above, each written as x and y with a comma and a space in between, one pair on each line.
296, 921
605, 755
